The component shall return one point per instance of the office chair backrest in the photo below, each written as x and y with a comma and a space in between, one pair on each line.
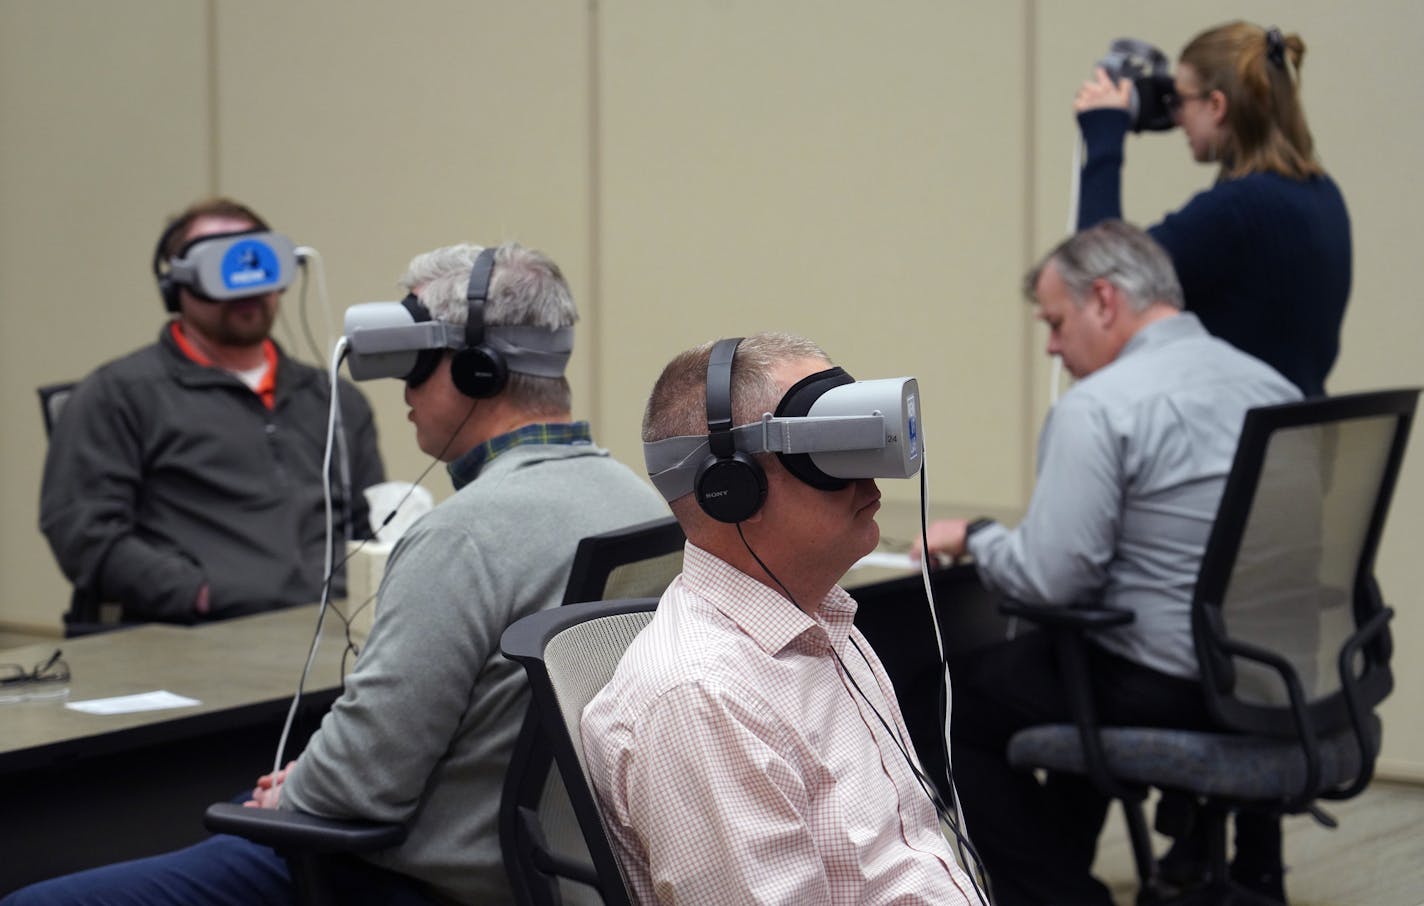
539, 831
1288, 569
634, 562
569, 654
52, 400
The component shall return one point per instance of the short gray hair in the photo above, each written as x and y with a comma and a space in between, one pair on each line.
1118, 252
526, 289
678, 404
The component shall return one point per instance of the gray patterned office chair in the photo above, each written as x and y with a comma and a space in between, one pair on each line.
569, 654
1290, 632
544, 851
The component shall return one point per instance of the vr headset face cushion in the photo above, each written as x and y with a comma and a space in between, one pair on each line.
425, 359
797, 403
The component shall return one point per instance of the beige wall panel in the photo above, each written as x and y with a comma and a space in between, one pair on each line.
376, 131
874, 176
851, 172
103, 130
1362, 95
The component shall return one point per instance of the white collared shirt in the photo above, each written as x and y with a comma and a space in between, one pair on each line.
736, 763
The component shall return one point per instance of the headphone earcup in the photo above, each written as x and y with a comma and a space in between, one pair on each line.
479, 372
169, 291
730, 489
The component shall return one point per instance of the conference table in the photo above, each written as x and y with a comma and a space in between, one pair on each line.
80, 789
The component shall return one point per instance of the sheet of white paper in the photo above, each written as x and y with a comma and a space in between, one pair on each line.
126, 704
887, 560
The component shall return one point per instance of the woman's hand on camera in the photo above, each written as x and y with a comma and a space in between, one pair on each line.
1100, 93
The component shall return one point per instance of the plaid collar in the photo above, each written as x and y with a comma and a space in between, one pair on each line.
467, 468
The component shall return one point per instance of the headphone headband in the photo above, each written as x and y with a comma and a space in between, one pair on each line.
476, 295
719, 396
479, 370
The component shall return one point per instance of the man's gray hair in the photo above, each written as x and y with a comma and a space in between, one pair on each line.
677, 406
1118, 252
526, 289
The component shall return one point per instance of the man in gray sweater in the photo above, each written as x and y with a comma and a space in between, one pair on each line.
423, 731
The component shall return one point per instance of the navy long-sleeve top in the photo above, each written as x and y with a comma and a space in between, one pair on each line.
1264, 260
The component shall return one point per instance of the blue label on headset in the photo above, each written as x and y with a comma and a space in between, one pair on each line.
912, 427
251, 265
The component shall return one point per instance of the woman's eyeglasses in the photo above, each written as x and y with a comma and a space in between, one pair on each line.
1176, 99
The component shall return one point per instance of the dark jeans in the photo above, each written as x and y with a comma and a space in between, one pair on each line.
220, 871
1038, 840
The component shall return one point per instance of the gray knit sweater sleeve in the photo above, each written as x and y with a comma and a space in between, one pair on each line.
424, 728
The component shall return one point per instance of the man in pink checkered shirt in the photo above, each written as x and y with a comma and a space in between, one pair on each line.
749, 748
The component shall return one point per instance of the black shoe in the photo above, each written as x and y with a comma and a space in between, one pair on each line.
1184, 866
1269, 883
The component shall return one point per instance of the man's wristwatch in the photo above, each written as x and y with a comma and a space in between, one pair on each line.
975, 525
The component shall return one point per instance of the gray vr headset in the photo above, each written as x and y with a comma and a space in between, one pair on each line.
828, 429
233, 265
386, 340
401, 340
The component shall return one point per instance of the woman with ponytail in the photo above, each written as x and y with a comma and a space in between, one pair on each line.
1264, 254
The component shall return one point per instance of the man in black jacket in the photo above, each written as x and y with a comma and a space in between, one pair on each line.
184, 480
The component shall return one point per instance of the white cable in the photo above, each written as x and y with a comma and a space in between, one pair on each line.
966, 860
307, 252
925, 560
338, 353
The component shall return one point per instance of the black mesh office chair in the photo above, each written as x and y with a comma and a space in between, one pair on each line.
569, 654
52, 400
1290, 632
544, 851
646, 555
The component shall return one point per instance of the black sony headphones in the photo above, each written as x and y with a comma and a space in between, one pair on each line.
478, 370
729, 485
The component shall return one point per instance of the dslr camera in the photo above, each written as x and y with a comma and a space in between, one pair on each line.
1154, 90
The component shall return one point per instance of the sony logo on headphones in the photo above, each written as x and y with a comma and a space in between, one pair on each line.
707, 495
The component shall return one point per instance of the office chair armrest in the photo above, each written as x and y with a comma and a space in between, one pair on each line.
288, 830
1356, 707
1082, 618
1295, 696
1068, 626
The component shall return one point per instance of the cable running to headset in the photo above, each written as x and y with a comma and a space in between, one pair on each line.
477, 371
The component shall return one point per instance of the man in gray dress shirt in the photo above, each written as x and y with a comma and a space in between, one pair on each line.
1131, 465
